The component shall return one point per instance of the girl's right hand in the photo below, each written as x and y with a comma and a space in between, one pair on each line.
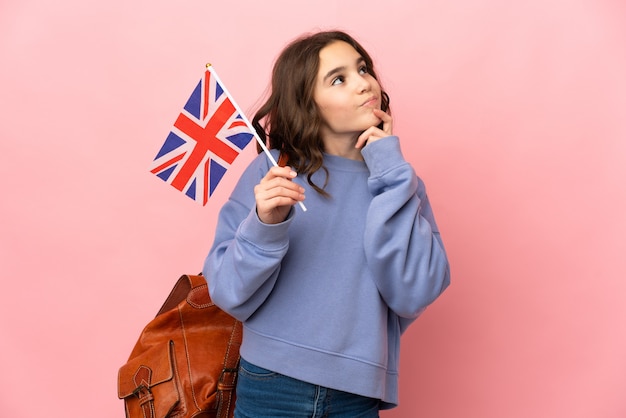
276, 194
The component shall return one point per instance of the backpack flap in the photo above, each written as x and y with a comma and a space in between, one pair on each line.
147, 383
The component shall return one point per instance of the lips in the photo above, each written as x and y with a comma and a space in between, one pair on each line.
370, 102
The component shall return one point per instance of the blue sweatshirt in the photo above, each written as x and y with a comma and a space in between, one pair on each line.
325, 295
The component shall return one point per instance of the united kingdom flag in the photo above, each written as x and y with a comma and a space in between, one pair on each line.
206, 138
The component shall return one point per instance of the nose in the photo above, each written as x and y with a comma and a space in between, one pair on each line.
364, 84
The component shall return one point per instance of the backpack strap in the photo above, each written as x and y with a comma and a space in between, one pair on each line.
228, 378
283, 159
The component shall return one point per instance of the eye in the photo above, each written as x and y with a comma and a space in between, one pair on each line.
337, 80
363, 69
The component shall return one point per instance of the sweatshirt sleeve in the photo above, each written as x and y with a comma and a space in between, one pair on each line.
244, 261
403, 247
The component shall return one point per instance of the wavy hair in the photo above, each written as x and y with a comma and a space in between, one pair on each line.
289, 120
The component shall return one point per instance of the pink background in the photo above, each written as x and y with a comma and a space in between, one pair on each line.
512, 112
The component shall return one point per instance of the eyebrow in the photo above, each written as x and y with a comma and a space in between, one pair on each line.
334, 71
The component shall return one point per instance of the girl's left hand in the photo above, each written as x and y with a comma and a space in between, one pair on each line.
374, 133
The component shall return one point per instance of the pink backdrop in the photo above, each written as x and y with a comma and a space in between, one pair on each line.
512, 112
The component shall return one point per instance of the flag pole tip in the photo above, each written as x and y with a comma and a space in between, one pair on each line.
208, 64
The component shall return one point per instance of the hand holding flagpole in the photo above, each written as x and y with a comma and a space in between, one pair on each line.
245, 119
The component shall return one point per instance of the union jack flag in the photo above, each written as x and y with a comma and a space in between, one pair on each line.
206, 138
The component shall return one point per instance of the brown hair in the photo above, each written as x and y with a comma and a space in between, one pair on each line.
291, 118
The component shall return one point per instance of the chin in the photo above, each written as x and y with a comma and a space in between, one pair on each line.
374, 121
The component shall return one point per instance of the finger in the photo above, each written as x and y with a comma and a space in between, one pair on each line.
370, 135
273, 203
278, 187
386, 119
279, 172
362, 139
276, 198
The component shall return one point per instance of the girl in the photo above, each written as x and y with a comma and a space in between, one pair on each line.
324, 295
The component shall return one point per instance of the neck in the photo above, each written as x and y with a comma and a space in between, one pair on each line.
342, 147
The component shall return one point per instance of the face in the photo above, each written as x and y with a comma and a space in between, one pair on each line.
345, 92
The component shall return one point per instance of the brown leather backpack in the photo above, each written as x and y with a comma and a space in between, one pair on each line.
185, 361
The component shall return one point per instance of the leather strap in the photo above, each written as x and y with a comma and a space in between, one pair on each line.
283, 159
146, 401
178, 294
142, 379
228, 377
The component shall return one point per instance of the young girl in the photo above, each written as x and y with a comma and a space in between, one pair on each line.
324, 295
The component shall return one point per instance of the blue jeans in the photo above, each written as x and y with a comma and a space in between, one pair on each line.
262, 393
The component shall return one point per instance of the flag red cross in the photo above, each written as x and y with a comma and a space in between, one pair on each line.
206, 138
